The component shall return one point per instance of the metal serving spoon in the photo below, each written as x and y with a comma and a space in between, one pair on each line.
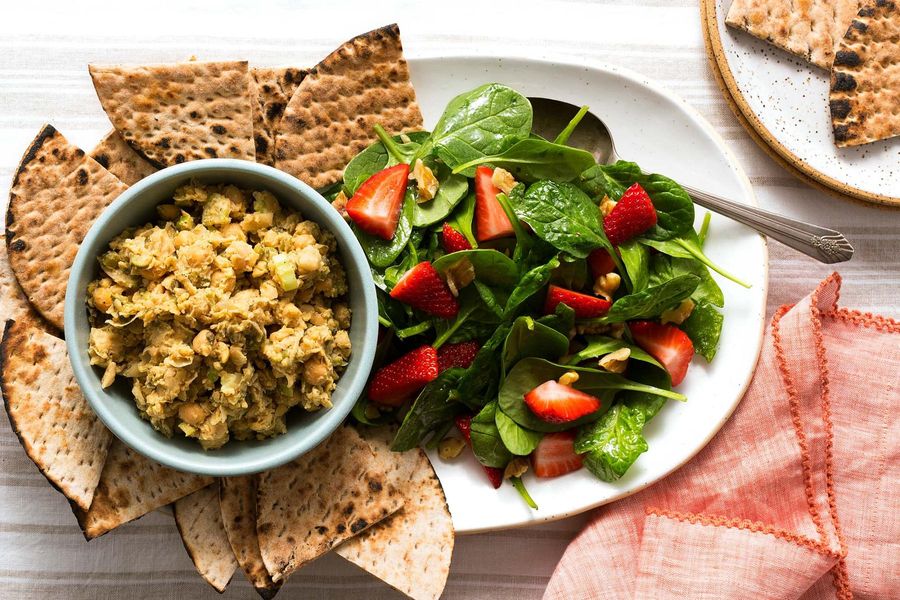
823, 244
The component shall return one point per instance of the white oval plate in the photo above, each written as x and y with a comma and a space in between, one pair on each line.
789, 99
663, 134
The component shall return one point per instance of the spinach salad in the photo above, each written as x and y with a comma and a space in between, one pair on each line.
541, 303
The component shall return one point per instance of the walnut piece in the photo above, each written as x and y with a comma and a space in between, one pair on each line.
615, 362
679, 314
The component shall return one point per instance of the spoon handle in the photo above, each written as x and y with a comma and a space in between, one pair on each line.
823, 244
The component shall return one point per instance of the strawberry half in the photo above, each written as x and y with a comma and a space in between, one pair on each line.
600, 263
491, 221
585, 307
633, 215
494, 474
452, 240
667, 344
421, 287
555, 455
375, 207
557, 403
393, 384
461, 355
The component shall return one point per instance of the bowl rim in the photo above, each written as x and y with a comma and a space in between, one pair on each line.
133, 437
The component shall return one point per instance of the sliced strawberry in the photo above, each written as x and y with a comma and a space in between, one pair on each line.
491, 221
452, 240
585, 307
494, 474
461, 355
555, 455
421, 287
667, 344
393, 384
600, 262
375, 207
633, 215
557, 403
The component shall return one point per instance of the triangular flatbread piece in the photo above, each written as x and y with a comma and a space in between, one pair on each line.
411, 549
272, 89
865, 78
323, 498
55, 424
199, 522
13, 303
120, 159
56, 195
130, 487
330, 117
237, 499
174, 113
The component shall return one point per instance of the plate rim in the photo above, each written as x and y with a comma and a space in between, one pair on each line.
749, 194
709, 16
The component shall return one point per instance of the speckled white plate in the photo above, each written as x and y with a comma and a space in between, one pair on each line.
785, 100
662, 133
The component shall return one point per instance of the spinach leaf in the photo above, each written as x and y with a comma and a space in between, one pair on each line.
704, 327
494, 299
665, 267
451, 189
376, 158
462, 218
636, 259
674, 207
485, 121
564, 135
472, 330
478, 385
487, 444
562, 320
433, 408
470, 304
533, 160
381, 253
598, 345
562, 215
530, 284
529, 373
652, 301
688, 246
572, 273
648, 404
596, 183
491, 267
413, 330
613, 442
531, 338
517, 439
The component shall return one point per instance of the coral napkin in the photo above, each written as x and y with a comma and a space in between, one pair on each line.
798, 496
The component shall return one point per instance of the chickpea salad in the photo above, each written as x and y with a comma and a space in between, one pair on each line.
224, 314
537, 308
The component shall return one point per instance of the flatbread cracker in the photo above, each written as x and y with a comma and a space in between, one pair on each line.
326, 496
174, 113
411, 549
330, 117
130, 487
237, 499
865, 78
54, 423
56, 195
810, 29
120, 159
199, 522
272, 89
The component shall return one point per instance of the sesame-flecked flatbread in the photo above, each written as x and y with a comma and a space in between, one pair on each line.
120, 159
272, 89
411, 549
330, 117
56, 195
173, 113
53, 421
323, 498
130, 487
865, 78
810, 29
237, 500
199, 522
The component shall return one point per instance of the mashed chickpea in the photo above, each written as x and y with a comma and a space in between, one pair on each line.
225, 314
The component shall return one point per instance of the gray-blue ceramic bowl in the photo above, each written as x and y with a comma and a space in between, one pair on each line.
115, 406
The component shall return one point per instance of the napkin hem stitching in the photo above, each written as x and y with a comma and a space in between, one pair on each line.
864, 319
